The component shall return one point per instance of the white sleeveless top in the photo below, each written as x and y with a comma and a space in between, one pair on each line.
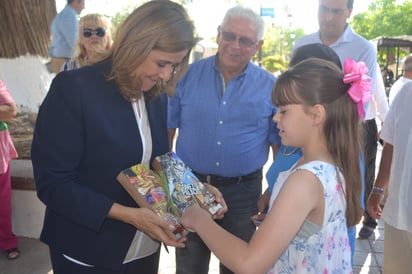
317, 249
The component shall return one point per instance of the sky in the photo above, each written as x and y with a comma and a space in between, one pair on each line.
208, 14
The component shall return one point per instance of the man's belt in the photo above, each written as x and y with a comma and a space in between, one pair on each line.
217, 180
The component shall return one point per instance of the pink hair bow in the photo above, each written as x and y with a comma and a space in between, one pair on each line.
360, 90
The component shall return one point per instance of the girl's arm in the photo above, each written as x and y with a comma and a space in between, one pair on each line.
301, 197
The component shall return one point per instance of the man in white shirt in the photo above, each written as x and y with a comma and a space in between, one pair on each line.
407, 77
335, 32
395, 171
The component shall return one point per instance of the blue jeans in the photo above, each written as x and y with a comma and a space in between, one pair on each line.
241, 199
352, 240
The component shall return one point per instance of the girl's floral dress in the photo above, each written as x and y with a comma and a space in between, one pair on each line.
315, 249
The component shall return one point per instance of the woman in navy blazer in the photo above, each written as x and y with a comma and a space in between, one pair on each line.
101, 119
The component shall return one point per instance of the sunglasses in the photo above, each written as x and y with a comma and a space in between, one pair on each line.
100, 32
244, 42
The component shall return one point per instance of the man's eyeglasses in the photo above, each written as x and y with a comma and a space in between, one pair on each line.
100, 32
244, 42
326, 10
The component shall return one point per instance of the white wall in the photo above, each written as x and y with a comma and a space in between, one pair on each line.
27, 210
27, 213
27, 79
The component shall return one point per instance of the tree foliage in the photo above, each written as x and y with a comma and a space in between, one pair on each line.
274, 64
278, 46
120, 16
384, 18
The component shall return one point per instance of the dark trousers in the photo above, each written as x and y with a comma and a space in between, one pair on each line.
241, 199
146, 265
370, 149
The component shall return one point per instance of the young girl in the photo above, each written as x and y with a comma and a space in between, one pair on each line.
312, 204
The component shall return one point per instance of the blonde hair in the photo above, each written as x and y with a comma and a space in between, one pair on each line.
95, 20
156, 25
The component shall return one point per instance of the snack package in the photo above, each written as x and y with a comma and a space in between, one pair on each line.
148, 190
168, 189
184, 187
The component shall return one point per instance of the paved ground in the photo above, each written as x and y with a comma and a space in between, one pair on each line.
368, 256
35, 258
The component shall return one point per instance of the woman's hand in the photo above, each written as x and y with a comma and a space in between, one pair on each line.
153, 225
219, 199
149, 222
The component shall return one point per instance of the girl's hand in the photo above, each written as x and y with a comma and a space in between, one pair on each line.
192, 216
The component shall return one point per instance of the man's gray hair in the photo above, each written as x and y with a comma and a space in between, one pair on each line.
248, 14
407, 63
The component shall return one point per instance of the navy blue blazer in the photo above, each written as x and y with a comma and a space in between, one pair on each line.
85, 134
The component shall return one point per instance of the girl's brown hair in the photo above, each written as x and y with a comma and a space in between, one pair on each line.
315, 81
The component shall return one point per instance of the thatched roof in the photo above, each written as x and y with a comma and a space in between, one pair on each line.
25, 27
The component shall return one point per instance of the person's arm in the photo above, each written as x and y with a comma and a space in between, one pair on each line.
273, 236
7, 112
263, 205
379, 94
263, 202
381, 183
8, 109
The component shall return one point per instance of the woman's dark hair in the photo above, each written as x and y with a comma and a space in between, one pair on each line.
315, 50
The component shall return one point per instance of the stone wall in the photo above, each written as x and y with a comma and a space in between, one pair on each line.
21, 130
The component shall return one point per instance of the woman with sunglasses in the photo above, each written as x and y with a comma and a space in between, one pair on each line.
94, 40
98, 120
